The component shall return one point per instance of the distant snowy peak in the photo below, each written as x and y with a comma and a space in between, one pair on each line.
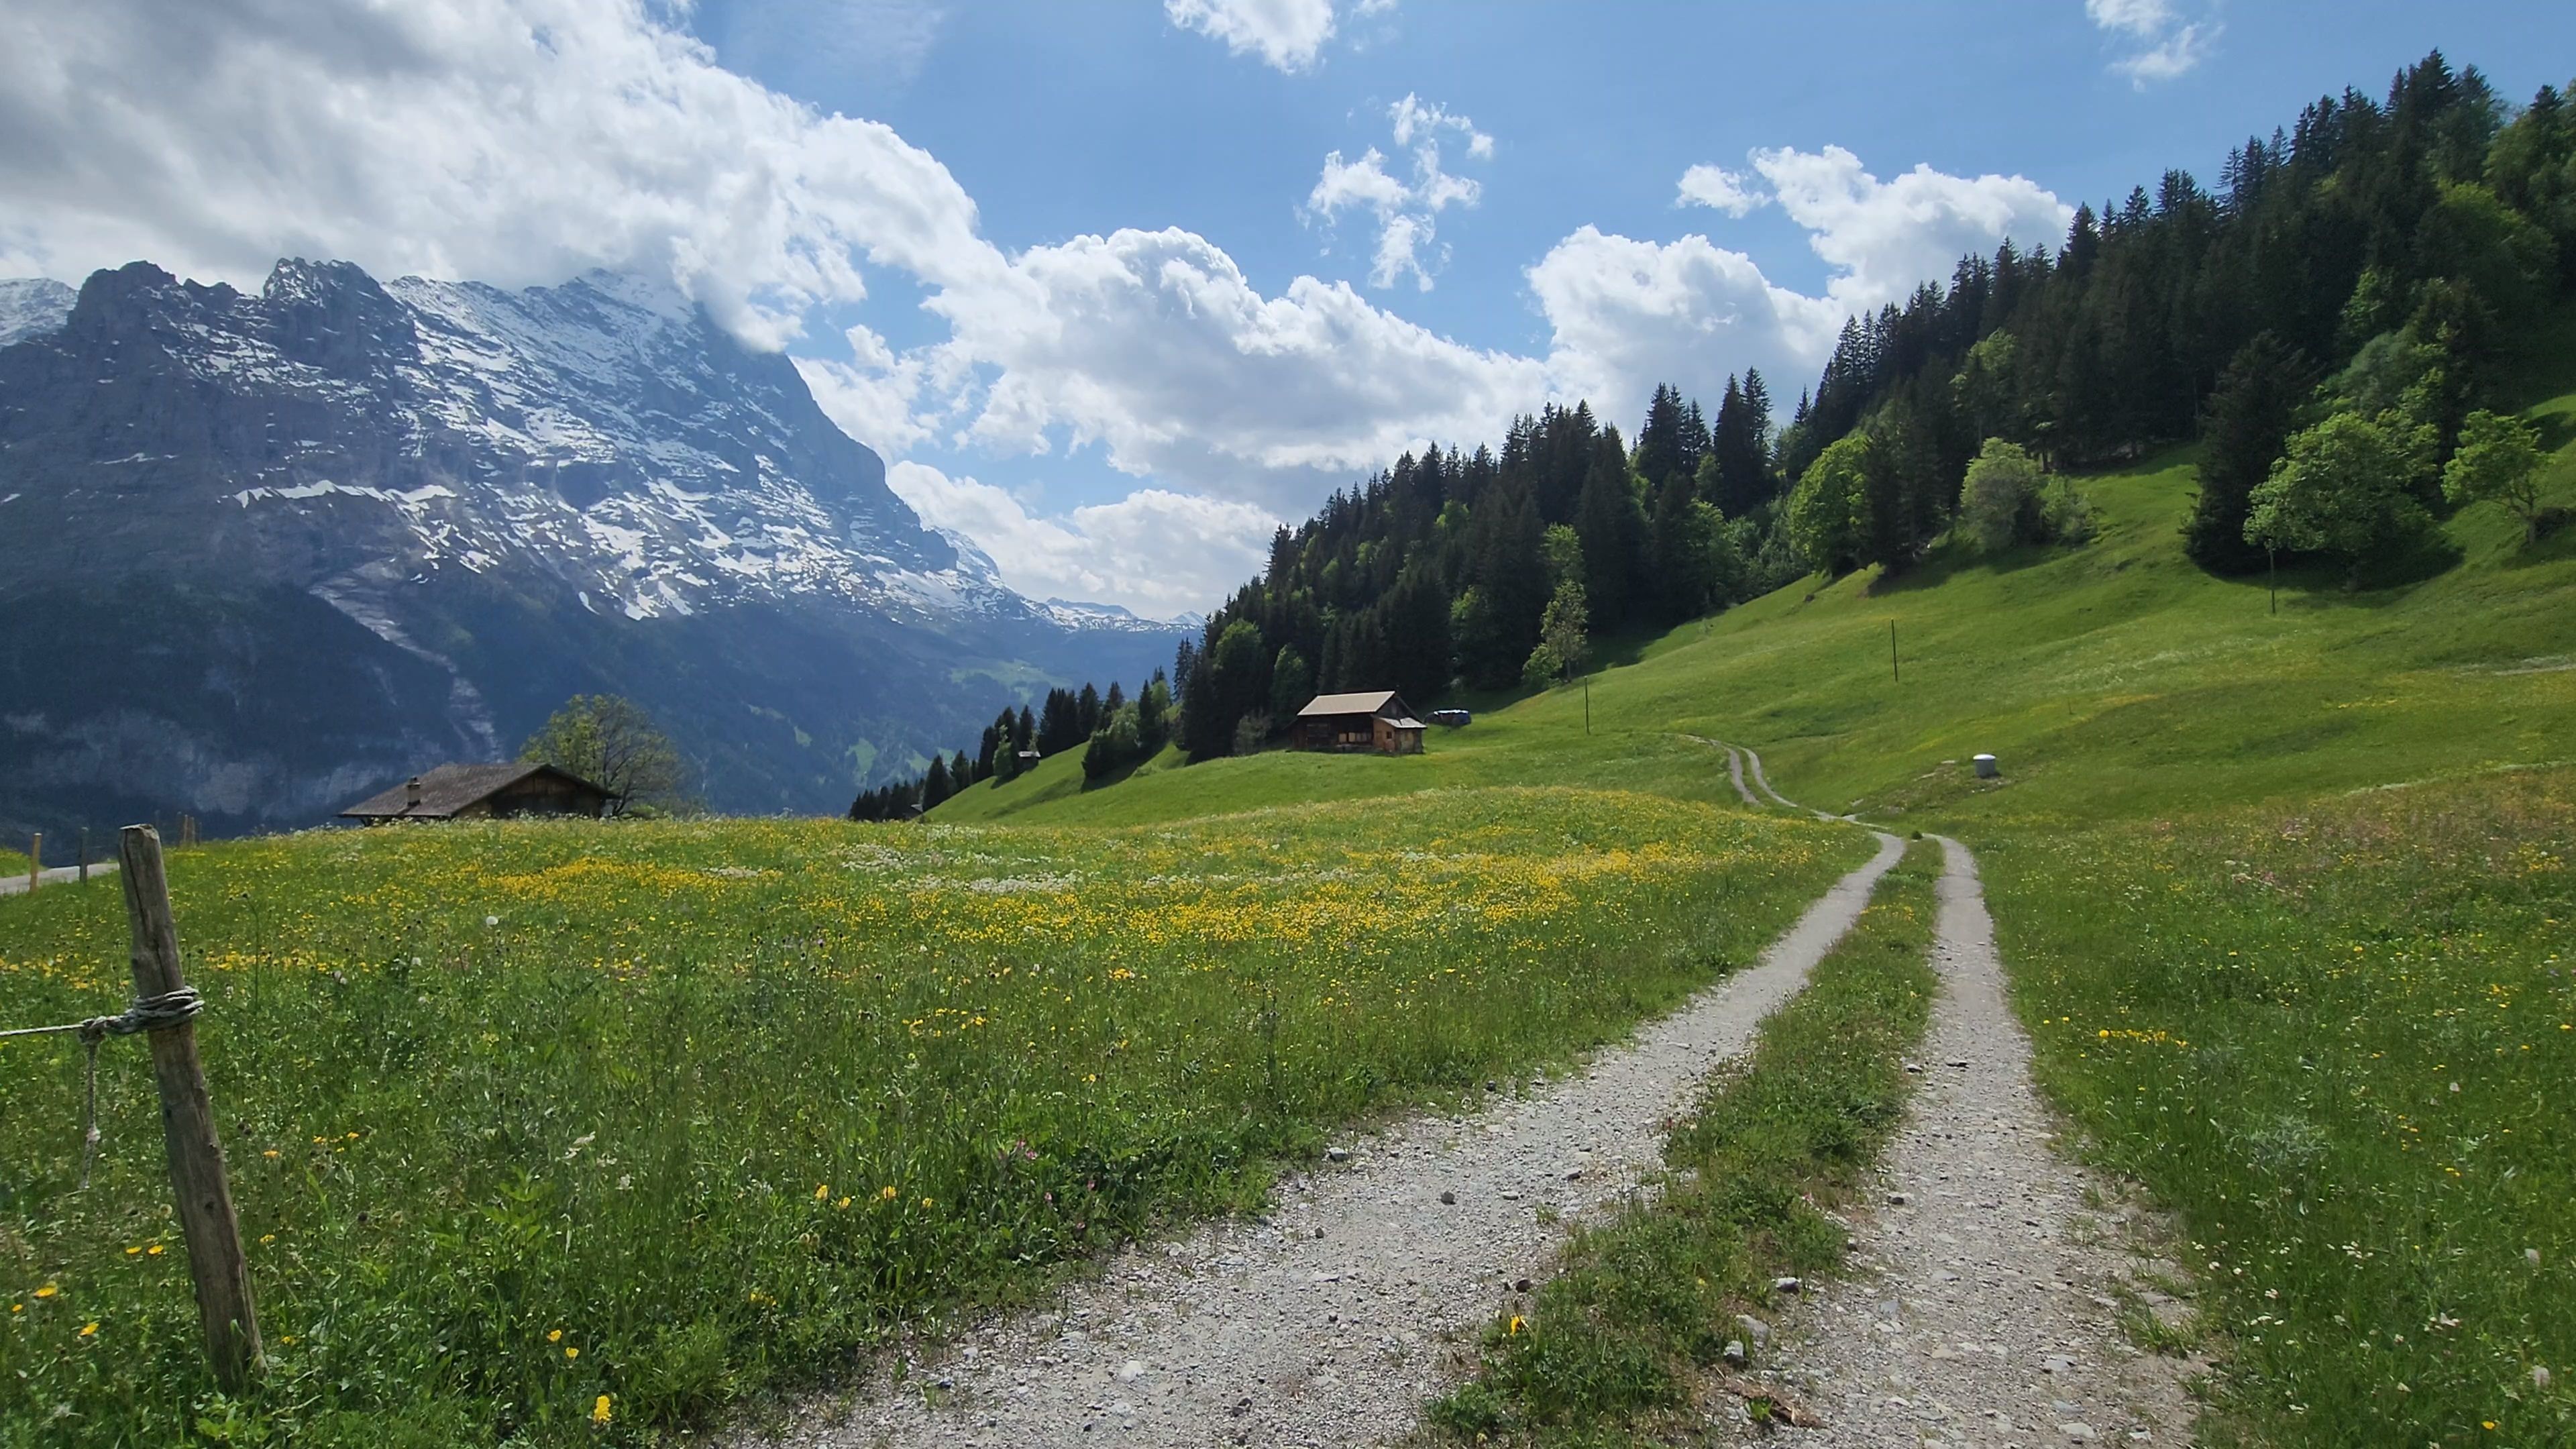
603, 437
602, 433
1074, 614
32, 307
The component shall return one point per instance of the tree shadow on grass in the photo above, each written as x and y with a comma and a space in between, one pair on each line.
2556, 544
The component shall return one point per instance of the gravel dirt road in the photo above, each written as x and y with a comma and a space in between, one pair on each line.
1331, 1320
1982, 1310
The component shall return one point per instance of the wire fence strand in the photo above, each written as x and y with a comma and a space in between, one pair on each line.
145, 1013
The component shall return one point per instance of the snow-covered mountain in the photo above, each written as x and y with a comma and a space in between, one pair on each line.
343, 529
31, 306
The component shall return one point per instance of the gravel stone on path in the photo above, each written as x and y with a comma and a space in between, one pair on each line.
1263, 1332
1980, 1310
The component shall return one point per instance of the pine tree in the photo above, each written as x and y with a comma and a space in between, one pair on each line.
1610, 528
2250, 418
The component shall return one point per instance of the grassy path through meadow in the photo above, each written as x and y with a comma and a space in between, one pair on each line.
1322, 1321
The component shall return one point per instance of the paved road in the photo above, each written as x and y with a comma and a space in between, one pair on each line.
15, 883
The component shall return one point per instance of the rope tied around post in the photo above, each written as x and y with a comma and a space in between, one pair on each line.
145, 1013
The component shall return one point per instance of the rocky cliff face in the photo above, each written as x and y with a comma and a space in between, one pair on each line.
261, 553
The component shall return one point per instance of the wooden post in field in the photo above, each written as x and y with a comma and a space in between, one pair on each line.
35, 861
1892, 672
215, 1258
84, 855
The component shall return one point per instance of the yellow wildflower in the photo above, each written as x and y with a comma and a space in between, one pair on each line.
555, 1337
571, 1352
89, 1329
599, 1410
886, 1192
48, 1291
822, 1191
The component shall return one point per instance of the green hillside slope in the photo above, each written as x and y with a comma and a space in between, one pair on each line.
2285, 897
2115, 679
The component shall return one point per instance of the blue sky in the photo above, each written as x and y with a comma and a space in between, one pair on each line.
1114, 286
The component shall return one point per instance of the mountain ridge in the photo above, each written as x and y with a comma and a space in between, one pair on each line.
514, 496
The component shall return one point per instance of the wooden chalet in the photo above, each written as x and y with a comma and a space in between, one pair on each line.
483, 792
1349, 723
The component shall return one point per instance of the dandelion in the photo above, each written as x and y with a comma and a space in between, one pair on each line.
130, 1252
599, 1410
822, 1191
89, 1329
153, 1252
555, 1337
271, 1153
48, 1291
843, 1203
886, 1192
1517, 1324
571, 1352
925, 1202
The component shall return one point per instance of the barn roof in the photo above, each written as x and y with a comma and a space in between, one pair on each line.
1408, 722
450, 788
1369, 702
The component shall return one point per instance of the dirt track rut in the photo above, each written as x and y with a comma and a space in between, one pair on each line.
1324, 1323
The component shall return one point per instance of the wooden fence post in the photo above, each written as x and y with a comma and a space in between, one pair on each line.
215, 1258
35, 861
84, 855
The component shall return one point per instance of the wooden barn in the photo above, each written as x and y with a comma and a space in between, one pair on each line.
1348, 723
483, 792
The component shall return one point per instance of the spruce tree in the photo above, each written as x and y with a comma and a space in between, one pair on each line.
2250, 417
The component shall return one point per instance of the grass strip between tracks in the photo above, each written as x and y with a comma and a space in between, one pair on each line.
1622, 1343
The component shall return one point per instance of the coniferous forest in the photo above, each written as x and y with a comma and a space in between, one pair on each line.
2337, 321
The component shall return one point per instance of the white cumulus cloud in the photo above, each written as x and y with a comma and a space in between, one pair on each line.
1627, 314
1405, 211
1155, 346
1156, 552
1719, 189
510, 141
1884, 238
1287, 34
2161, 43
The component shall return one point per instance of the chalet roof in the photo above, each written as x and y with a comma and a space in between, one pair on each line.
1369, 702
450, 788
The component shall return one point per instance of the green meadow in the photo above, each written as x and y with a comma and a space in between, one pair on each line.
555, 1133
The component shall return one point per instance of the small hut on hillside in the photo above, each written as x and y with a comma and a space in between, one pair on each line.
1348, 723
483, 792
